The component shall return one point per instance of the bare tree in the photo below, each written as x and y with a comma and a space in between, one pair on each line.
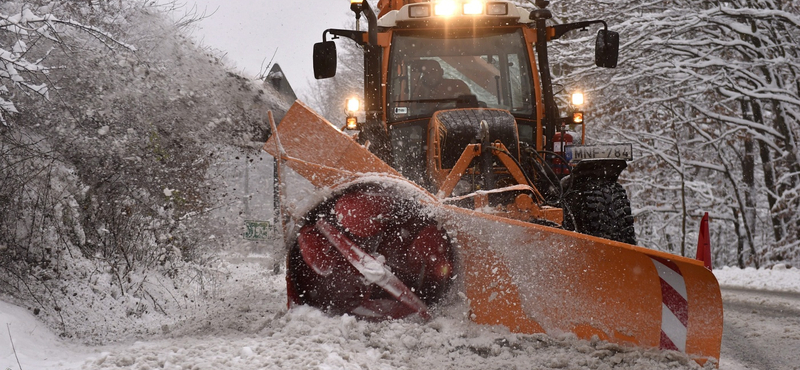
728, 73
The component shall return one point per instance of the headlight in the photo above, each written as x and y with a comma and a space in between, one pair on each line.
473, 7
419, 11
577, 98
353, 106
445, 8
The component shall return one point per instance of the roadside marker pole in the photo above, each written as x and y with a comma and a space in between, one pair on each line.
704, 243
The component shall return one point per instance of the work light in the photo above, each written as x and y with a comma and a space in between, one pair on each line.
352, 108
473, 7
356, 5
577, 98
352, 105
445, 8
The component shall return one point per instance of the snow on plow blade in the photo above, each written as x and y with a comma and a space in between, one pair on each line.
532, 278
526, 277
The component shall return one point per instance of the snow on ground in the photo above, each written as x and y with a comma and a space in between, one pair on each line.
762, 318
35, 345
246, 325
779, 278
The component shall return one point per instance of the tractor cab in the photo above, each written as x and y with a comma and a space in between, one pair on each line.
422, 57
468, 68
458, 98
440, 69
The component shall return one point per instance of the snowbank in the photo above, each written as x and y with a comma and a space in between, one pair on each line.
779, 278
35, 346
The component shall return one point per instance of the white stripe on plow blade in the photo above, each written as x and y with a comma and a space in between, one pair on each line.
672, 328
674, 305
671, 275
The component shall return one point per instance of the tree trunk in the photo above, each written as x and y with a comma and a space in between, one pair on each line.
684, 214
769, 174
749, 179
739, 238
790, 145
789, 140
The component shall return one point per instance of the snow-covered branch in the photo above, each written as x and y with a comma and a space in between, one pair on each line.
23, 32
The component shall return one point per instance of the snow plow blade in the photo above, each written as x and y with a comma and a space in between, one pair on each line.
529, 278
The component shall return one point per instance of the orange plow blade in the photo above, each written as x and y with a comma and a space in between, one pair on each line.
527, 277
533, 278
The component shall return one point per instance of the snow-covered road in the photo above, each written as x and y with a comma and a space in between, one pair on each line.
761, 329
250, 328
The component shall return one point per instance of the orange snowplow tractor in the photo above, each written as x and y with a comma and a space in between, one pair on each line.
527, 277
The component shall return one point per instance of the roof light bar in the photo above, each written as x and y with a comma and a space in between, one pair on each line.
468, 9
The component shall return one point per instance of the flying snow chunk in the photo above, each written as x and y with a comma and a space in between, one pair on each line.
246, 353
103, 130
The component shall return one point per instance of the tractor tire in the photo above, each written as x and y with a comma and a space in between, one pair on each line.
601, 210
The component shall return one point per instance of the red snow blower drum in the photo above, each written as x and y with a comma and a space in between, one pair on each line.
371, 253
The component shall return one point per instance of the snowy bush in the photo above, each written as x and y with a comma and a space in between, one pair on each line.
111, 123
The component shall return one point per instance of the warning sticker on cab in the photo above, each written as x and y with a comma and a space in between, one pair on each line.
604, 151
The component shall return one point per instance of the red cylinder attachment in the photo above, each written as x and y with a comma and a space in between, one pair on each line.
370, 253
430, 253
361, 214
317, 252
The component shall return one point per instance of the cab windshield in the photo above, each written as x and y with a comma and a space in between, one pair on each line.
449, 69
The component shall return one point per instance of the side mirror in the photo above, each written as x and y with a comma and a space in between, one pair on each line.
606, 49
324, 59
